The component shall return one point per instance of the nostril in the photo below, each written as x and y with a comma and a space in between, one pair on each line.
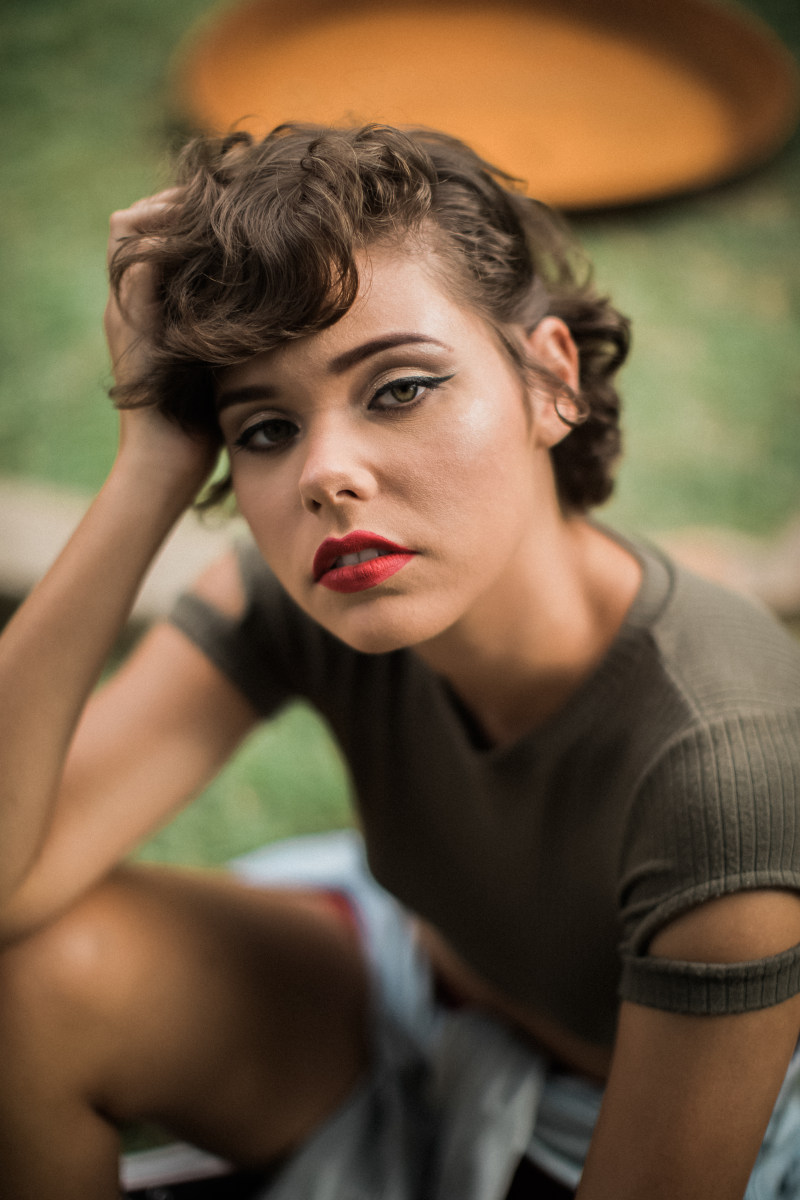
324, 482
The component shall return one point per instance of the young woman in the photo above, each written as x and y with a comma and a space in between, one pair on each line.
576, 765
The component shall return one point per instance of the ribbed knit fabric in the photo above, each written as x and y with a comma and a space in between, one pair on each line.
707, 989
672, 776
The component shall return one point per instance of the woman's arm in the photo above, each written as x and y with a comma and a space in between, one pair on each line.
56, 645
146, 743
689, 1097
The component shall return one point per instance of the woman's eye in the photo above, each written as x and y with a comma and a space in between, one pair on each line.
405, 392
402, 393
269, 434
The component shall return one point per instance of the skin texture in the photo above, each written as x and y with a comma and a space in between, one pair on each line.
236, 1016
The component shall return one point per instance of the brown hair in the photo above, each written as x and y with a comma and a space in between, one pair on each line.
260, 249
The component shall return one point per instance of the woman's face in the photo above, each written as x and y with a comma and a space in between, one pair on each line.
392, 469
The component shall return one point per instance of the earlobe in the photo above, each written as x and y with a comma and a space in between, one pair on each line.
571, 407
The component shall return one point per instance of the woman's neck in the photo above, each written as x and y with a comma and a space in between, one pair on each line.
530, 643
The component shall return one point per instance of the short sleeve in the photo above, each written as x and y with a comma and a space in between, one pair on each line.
250, 649
718, 813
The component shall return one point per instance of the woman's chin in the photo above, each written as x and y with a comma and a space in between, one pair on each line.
382, 632
375, 641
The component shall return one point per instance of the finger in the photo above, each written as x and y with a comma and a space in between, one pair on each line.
159, 200
149, 206
135, 220
137, 293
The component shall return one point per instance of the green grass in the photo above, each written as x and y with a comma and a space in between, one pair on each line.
289, 778
713, 389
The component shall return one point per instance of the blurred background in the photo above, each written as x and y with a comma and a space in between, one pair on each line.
712, 281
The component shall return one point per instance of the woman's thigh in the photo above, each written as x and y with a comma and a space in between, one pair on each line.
237, 1016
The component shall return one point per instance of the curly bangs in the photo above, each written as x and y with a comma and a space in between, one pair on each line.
260, 248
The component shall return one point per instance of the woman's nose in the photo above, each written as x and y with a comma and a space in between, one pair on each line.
334, 470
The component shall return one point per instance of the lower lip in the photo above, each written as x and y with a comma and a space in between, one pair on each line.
361, 576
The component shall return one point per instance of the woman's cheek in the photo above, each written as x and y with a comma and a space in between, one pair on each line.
264, 508
490, 424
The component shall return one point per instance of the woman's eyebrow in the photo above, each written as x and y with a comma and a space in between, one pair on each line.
350, 358
337, 366
241, 395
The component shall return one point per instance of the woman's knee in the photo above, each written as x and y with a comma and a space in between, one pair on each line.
195, 1001
75, 963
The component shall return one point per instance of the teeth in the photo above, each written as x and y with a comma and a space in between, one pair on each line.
352, 560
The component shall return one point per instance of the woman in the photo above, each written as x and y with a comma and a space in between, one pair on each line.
576, 765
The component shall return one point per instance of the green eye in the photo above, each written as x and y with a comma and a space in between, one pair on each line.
407, 392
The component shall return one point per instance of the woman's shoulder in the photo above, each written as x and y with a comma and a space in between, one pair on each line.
723, 651
718, 802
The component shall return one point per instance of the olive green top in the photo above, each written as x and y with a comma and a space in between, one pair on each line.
671, 776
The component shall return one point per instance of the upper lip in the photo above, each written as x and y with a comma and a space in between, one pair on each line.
333, 548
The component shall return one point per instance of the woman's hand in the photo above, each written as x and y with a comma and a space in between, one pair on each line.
130, 320
156, 448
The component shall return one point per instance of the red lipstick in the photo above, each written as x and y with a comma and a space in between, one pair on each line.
358, 561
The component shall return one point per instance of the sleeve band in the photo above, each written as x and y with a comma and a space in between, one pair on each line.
711, 989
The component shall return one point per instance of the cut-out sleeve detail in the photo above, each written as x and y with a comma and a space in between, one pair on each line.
711, 989
717, 814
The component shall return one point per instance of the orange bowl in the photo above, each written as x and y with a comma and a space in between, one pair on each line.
595, 103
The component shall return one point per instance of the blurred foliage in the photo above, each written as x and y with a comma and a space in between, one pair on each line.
713, 386
84, 98
288, 779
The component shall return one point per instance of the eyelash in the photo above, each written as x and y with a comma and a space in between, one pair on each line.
427, 382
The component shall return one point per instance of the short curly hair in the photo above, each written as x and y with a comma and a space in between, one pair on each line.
261, 247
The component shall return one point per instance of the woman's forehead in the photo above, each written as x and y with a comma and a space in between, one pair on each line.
402, 285
400, 301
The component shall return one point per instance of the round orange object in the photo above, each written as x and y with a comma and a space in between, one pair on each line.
610, 102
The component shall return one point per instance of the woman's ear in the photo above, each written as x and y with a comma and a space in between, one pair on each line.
550, 344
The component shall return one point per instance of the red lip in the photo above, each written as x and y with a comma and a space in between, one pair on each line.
355, 577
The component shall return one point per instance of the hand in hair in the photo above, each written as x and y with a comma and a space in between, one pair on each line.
148, 439
130, 316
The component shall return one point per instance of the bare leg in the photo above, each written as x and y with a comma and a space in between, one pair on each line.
232, 1015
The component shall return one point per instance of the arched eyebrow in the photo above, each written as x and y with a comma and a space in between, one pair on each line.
351, 358
337, 366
